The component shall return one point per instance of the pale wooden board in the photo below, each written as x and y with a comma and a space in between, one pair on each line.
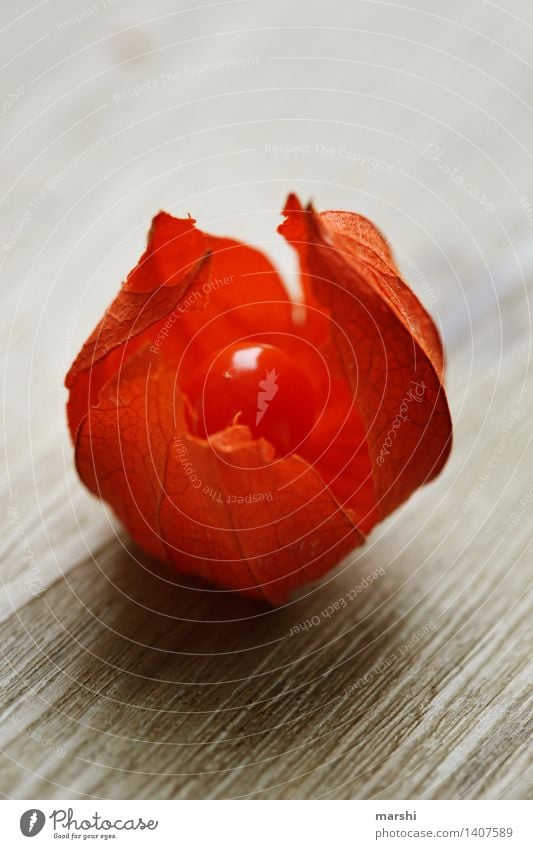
115, 683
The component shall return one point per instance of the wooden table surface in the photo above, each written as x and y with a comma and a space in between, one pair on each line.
118, 684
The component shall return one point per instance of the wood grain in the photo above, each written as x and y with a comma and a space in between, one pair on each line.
117, 683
